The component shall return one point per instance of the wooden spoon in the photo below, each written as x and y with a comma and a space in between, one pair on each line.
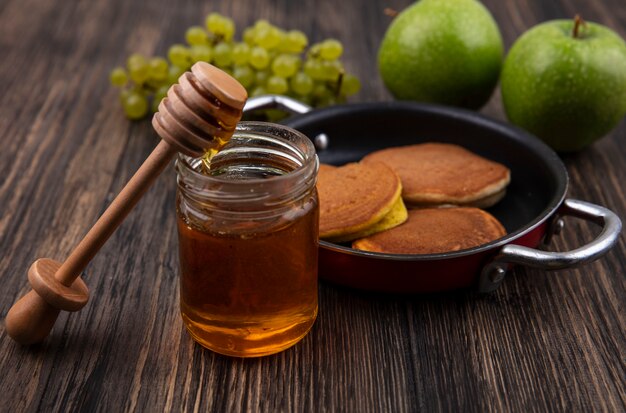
199, 114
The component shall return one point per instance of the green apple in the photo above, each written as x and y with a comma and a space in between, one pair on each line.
565, 82
442, 51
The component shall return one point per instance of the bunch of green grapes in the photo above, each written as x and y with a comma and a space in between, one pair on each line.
267, 60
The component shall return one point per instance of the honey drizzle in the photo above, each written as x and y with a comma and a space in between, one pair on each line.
206, 161
205, 164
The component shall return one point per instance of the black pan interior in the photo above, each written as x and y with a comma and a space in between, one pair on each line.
538, 177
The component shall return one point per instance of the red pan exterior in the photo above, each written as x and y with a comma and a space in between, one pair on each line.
415, 275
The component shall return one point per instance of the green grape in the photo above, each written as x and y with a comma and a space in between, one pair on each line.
261, 24
201, 53
241, 53
277, 85
350, 85
268, 37
326, 101
137, 66
285, 65
159, 94
244, 75
139, 74
229, 29
259, 58
274, 115
302, 84
158, 69
298, 37
323, 95
261, 77
135, 105
258, 91
136, 59
331, 49
293, 42
332, 69
196, 35
124, 94
214, 22
118, 77
315, 50
321, 91
179, 55
222, 54
314, 69
248, 36
174, 73
220, 25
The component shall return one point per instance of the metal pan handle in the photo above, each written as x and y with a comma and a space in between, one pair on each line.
494, 272
285, 103
288, 105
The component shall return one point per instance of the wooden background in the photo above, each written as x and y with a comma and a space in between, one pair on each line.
543, 341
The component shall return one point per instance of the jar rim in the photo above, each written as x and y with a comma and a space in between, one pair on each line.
309, 156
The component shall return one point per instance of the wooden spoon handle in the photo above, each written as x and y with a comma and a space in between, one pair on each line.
115, 213
31, 318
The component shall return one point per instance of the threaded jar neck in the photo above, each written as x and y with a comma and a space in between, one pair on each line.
262, 170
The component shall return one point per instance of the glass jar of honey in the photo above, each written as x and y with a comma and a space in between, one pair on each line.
248, 238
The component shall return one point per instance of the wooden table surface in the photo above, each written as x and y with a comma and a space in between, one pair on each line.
543, 341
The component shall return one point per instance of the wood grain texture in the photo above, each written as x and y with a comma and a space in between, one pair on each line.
542, 342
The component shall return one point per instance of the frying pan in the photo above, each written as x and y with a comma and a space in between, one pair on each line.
531, 211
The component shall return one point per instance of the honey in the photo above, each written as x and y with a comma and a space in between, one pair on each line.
248, 239
251, 291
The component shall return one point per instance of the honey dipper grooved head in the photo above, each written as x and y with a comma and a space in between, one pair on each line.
201, 111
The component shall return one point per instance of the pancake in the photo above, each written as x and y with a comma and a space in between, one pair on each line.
357, 199
396, 216
436, 230
324, 167
434, 174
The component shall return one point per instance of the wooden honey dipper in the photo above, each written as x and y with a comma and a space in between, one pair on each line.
199, 114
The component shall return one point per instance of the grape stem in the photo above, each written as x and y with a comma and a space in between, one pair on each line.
216, 39
338, 84
390, 12
578, 21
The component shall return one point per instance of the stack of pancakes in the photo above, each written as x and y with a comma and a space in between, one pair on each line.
365, 202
